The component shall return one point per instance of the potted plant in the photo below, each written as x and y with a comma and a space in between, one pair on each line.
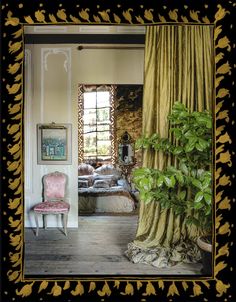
186, 187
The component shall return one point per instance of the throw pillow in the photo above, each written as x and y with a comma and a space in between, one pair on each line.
82, 184
89, 178
101, 184
110, 179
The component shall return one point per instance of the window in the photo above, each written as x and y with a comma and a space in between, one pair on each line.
96, 124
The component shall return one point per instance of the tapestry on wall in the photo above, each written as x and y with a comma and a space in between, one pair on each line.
128, 110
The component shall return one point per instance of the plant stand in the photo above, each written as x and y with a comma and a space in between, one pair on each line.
206, 253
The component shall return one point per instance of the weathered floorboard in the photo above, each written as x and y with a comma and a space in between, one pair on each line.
95, 248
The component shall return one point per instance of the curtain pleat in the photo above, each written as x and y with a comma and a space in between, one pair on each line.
178, 67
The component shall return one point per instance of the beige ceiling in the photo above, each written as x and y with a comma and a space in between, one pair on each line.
85, 29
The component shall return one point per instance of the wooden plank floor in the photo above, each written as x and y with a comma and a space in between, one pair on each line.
96, 248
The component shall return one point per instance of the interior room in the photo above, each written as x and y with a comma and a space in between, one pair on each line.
103, 191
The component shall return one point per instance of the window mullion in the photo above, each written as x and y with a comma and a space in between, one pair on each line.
96, 125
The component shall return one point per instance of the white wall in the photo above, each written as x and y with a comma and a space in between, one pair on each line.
52, 75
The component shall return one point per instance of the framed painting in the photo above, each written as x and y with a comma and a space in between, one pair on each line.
54, 143
220, 286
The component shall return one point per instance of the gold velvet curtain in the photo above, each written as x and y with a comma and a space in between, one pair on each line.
179, 64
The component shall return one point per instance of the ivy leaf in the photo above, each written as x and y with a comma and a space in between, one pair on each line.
199, 147
198, 197
189, 146
167, 181
177, 150
184, 168
197, 183
172, 181
146, 183
160, 181
198, 205
207, 198
182, 195
179, 176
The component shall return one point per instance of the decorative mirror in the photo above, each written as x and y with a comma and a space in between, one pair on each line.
126, 158
126, 150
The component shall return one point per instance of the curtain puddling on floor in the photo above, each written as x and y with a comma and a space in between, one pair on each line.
179, 62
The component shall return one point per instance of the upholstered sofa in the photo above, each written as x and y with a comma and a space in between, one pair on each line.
103, 190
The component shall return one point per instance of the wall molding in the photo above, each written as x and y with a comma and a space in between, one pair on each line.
27, 122
45, 52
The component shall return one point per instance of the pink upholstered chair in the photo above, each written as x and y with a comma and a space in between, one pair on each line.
54, 189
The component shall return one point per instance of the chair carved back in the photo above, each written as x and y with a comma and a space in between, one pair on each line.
54, 186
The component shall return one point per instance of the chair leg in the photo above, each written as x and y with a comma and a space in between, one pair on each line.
65, 219
45, 221
37, 223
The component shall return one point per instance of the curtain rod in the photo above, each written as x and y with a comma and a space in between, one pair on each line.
81, 47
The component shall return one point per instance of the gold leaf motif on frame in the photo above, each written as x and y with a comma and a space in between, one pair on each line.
225, 158
105, 290
52, 18
116, 18
225, 204
25, 291
13, 128
140, 20
129, 289
197, 290
185, 285
79, 289
62, 15
13, 21
161, 284
13, 275
12, 69
139, 285
225, 229
173, 15
148, 14
84, 14
19, 57
221, 288
150, 289
217, 31
224, 250
66, 285
194, 15
56, 290
43, 286
13, 89
223, 69
117, 284
221, 13
40, 15
218, 80
13, 184
92, 286
223, 43
29, 20
127, 15
18, 33
105, 15
96, 19
14, 47
206, 20
225, 181
162, 19
172, 290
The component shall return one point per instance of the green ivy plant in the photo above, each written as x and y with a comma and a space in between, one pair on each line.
186, 187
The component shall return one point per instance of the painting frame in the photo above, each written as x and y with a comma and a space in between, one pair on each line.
15, 285
54, 144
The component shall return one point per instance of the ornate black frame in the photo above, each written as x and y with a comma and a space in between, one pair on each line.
16, 14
